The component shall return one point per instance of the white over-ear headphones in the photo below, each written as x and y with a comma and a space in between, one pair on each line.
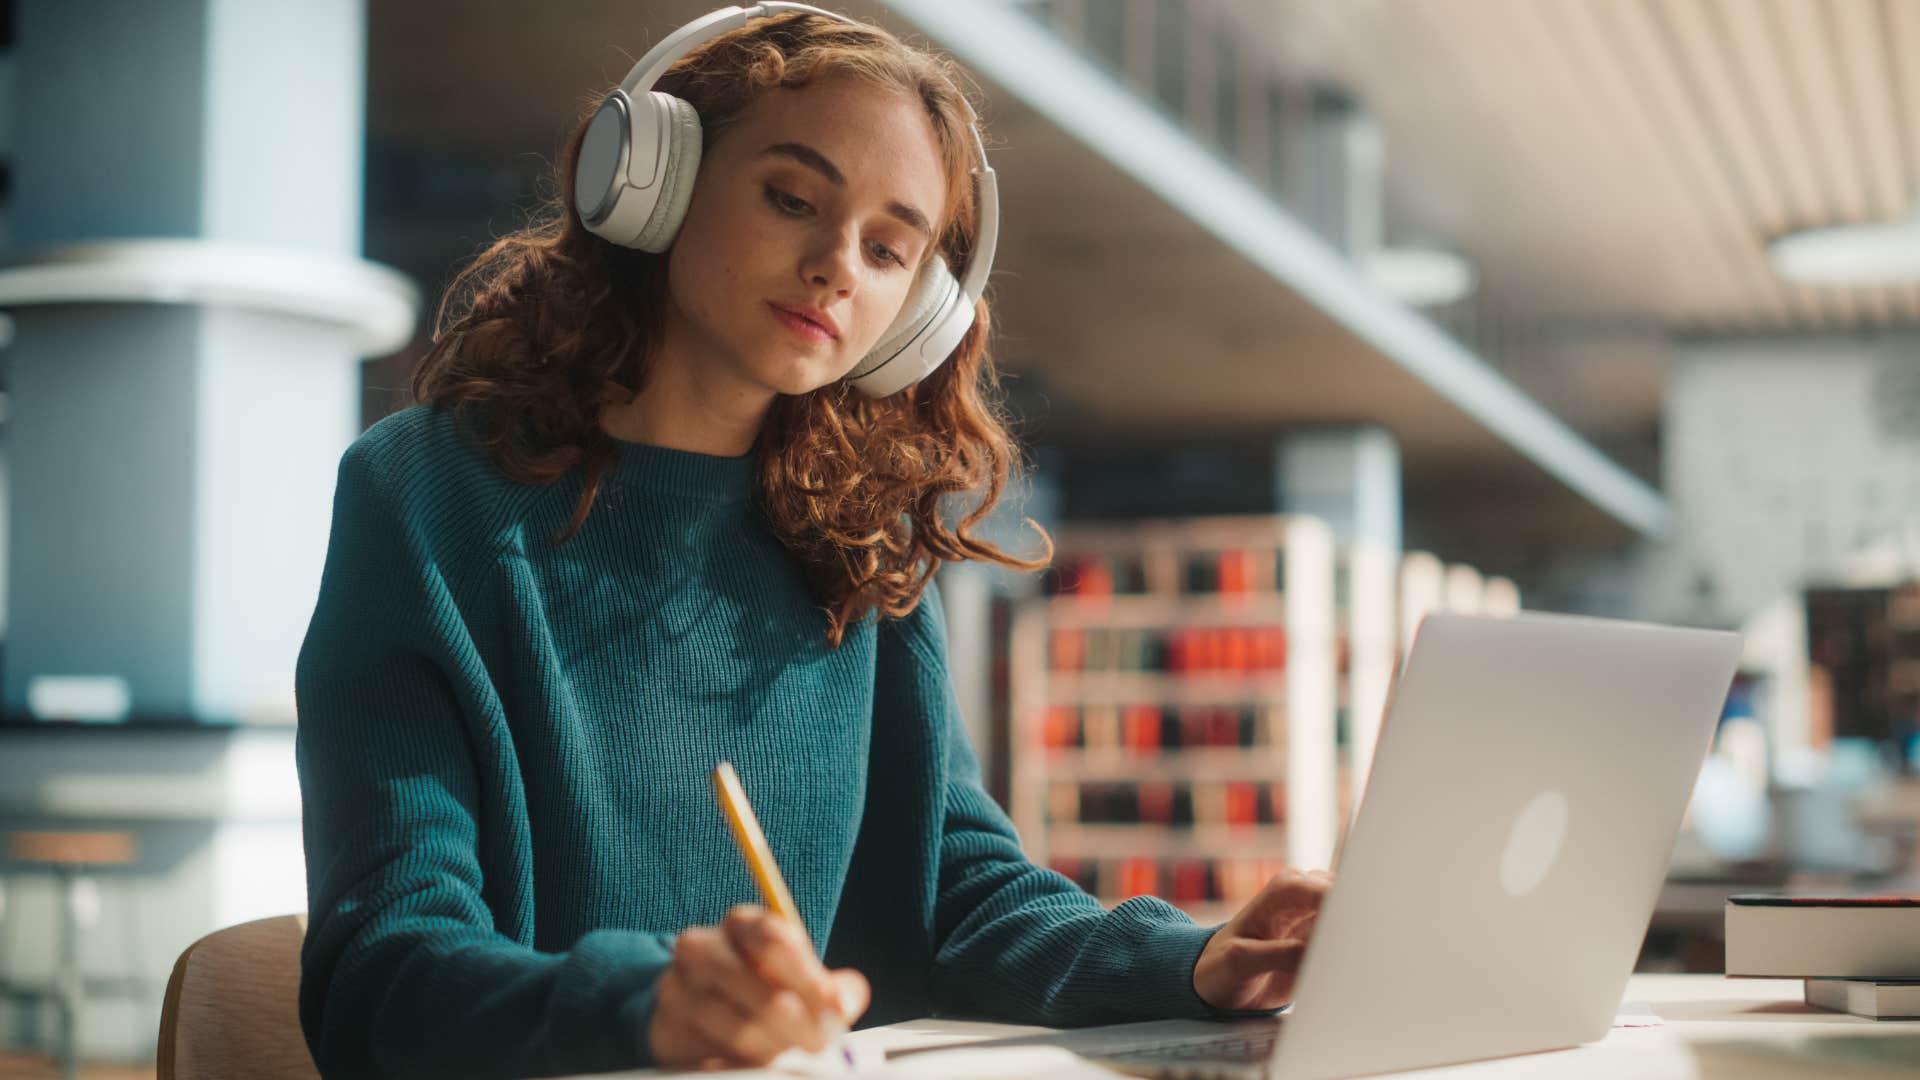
635, 179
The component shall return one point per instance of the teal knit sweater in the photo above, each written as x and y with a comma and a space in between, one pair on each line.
504, 750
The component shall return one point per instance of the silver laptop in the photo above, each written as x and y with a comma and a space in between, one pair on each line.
1526, 792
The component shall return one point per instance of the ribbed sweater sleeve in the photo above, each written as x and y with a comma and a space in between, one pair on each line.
404, 970
1014, 940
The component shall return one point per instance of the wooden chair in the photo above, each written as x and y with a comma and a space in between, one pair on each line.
233, 1006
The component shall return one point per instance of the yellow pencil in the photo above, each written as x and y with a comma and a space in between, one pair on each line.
753, 846
766, 873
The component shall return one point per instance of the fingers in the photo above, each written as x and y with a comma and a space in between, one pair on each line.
853, 993
730, 1035
709, 964
676, 1043
1253, 960
779, 955
1286, 898
744, 991
1248, 957
763, 1014
1241, 971
1298, 888
691, 1028
1263, 974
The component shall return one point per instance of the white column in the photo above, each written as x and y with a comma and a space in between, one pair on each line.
1312, 803
189, 308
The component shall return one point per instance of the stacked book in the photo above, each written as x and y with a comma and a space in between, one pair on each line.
1858, 954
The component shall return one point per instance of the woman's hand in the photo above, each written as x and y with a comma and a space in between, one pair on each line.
742, 992
1251, 962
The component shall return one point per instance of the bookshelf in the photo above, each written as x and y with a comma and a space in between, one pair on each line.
1500, 596
1423, 580
1173, 701
1463, 590
1194, 703
1862, 645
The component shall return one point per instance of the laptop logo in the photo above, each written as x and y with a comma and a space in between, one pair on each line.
1534, 844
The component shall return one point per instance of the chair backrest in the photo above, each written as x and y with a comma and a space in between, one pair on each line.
233, 1006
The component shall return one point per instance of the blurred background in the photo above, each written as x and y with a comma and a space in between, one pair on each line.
1317, 316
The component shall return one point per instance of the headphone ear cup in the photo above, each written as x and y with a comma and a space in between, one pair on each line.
683, 164
596, 179
933, 290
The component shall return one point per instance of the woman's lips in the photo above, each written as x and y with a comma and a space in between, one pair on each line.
800, 324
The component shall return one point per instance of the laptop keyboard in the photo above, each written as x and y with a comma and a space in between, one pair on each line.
1235, 1049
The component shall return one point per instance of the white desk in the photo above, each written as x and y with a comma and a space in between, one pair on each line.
1711, 1029
1714, 1028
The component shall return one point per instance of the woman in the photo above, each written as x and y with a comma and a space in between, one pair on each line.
641, 523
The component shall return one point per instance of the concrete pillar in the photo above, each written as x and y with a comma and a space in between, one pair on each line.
1350, 479
188, 309
178, 405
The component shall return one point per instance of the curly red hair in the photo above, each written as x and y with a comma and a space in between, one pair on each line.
863, 492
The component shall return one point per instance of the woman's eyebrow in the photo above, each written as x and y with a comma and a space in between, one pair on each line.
817, 161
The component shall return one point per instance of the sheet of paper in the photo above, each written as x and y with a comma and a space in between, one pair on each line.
968, 1063
958, 1063
965, 1063
1636, 1014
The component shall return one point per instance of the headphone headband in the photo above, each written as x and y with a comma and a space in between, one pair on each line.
658, 59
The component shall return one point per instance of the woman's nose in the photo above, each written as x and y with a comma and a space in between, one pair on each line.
832, 263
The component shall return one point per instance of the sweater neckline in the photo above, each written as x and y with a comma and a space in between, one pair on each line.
685, 472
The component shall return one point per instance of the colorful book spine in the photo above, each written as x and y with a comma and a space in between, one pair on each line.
1105, 749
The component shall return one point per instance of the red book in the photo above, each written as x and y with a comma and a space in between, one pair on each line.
1061, 727
1223, 727
1069, 650
1143, 729
1193, 726
1279, 647
1156, 802
1236, 655
1243, 802
1191, 881
1139, 877
1176, 651
1271, 648
1205, 651
1236, 572
1090, 576
1071, 869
